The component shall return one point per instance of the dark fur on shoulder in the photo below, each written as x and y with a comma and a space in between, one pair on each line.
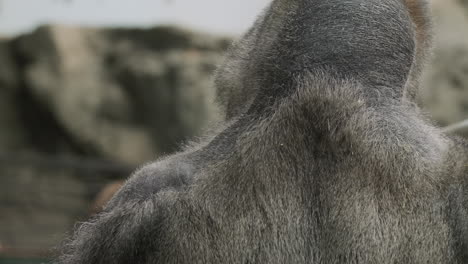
324, 157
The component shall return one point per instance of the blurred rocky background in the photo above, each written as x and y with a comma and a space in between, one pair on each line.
445, 85
80, 108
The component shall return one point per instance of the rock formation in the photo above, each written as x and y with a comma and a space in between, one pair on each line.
80, 107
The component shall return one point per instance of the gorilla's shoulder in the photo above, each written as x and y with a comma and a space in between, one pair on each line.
171, 173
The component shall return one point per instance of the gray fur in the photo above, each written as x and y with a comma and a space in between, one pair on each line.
324, 158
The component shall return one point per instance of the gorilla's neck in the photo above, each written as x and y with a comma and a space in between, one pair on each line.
327, 117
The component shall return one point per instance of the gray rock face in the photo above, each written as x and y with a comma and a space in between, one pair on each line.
12, 135
445, 86
71, 98
121, 93
464, 2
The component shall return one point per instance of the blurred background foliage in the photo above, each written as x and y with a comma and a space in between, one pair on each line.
82, 106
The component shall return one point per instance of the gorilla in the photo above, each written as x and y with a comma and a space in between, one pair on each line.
324, 157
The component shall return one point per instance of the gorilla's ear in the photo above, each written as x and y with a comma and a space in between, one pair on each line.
236, 79
419, 11
233, 93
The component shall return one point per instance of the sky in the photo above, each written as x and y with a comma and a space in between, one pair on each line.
215, 16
